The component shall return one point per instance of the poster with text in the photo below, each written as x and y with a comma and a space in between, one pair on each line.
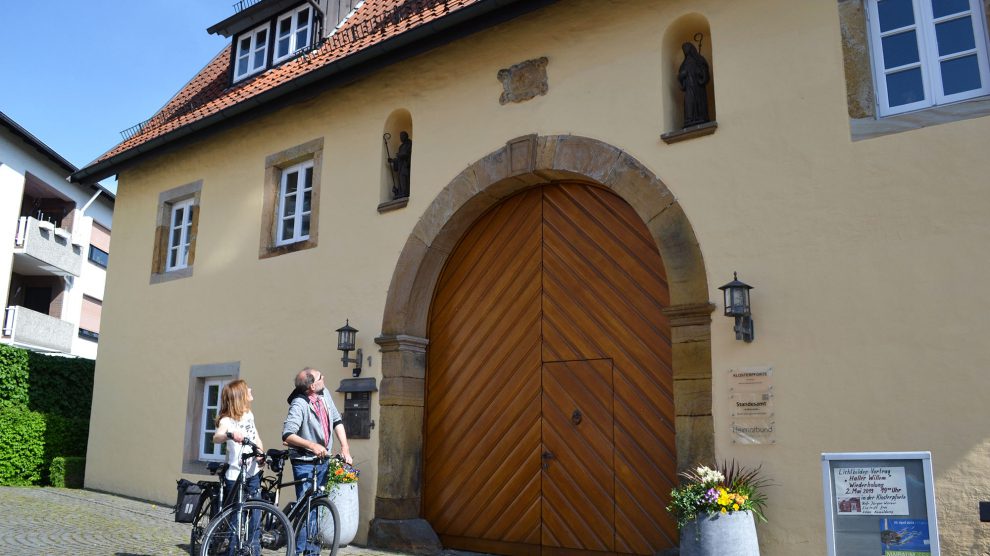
905, 537
871, 491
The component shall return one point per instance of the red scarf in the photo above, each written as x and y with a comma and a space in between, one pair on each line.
321, 411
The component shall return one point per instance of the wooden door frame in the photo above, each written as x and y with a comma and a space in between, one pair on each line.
525, 162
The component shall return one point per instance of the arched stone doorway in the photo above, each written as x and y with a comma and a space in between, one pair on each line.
522, 163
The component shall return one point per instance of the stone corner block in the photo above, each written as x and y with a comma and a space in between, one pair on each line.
413, 536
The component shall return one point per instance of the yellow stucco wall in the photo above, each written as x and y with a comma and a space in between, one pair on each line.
868, 258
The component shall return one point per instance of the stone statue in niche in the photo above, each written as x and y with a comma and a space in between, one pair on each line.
694, 76
401, 165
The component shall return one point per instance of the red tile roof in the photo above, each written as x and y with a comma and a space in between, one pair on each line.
210, 93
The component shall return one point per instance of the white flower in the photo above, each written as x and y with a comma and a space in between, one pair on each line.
708, 475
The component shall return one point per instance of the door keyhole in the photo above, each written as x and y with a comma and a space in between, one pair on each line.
576, 417
547, 456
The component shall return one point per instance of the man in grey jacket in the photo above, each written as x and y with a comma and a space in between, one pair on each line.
306, 430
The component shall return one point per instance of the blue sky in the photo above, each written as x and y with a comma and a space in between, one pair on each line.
77, 72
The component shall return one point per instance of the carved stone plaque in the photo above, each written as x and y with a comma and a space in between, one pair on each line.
523, 81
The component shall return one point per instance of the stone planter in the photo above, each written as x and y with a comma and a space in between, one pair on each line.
730, 534
345, 497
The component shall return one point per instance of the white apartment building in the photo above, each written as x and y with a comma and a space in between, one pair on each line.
54, 248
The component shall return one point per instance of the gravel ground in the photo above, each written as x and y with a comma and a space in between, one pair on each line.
57, 521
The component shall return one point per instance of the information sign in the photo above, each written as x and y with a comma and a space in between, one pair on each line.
880, 503
751, 405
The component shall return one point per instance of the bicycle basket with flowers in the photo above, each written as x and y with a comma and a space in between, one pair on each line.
341, 473
726, 489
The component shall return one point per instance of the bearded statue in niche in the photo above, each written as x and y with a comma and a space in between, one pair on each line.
693, 77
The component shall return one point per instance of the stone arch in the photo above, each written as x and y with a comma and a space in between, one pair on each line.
524, 162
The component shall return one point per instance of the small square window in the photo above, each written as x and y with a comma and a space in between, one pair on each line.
252, 52
98, 256
290, 217
927, 53
175, 237
203, 404
293, 32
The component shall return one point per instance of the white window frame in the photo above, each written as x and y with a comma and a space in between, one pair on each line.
296, 202
930, 60
293, 33
210, 451
250, 54
177, 254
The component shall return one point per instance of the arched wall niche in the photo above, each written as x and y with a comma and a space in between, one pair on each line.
683, 30
398, 121
522, 163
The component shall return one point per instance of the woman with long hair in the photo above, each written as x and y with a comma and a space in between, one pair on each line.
235, 422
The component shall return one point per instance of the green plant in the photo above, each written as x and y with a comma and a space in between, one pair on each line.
340, 473
22, 446
68, 472
727, 488
13, 377
62, 385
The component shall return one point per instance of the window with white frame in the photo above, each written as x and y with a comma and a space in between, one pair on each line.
179, 228
211, 407
252, 52
292, 32
295, 201
927, 52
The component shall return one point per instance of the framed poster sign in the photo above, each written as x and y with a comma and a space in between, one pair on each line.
880, 503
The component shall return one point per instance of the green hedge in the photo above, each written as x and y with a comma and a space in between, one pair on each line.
68, 472
13, 377
44, 415
22, 446
61, 385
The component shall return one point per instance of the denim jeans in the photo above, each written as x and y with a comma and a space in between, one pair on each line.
252, 489
306, 472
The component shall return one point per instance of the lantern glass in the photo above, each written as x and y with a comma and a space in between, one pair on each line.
740, 301
345, 337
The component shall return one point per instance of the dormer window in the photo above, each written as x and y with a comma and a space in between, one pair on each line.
293, 32
252, 52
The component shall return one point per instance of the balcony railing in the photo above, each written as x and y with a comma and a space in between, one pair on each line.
31, 329
42, 248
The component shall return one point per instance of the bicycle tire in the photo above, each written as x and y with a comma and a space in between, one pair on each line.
325, 509
202, 519
233, 525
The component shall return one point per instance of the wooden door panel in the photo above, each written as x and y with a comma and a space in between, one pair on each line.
578, 506
482, 423
559, 272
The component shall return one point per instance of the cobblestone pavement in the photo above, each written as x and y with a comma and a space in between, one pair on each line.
57, 521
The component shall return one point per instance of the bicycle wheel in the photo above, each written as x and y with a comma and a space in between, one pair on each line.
199, 523
248, 529
321, 532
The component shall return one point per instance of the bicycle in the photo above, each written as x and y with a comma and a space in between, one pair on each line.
315, 503
250, 527
209, 504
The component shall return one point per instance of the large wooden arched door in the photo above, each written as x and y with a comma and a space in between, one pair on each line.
550, 417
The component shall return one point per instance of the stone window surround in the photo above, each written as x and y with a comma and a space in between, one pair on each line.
863, 120
274, 163
165, 201
524, 162
198, 375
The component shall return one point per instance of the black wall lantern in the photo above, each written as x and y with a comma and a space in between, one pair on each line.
345, 343
737, 305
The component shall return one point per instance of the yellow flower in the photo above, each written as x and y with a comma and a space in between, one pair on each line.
338, 472
735, 506
724, 511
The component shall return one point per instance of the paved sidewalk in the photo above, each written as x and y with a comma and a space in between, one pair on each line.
57, 521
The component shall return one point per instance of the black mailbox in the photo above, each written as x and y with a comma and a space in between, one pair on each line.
357, 406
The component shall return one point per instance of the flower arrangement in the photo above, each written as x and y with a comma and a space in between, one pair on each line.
727, 488
340, 473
